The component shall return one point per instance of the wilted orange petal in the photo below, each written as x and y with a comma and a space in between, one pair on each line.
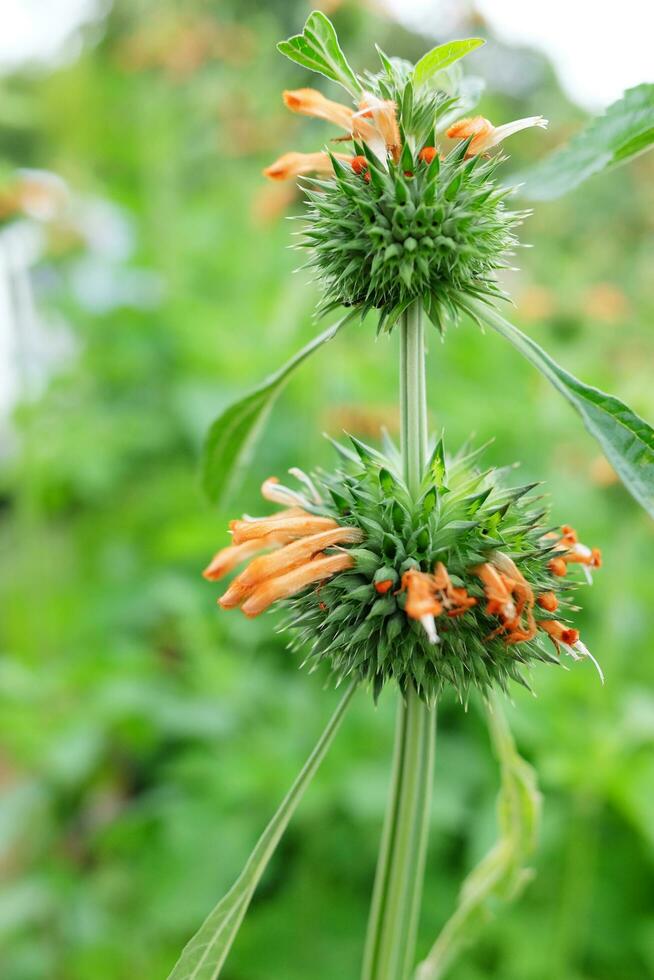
310, 102
421, 599
293, 527
559, 632
295, 581
268, 566
548, 601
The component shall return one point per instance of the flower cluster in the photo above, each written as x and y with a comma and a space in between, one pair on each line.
459, 586
413, 212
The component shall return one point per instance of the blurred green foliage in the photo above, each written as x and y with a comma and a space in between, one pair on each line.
146, 738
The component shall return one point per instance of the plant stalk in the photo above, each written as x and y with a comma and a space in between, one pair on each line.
393, 924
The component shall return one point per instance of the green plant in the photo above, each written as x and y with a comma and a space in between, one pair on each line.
409, 224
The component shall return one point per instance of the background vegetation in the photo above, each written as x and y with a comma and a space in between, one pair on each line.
145, 737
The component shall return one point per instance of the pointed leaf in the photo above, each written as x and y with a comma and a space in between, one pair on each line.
501, 873
317, 48
627, 440
204, 956
624, 131
442, 57
233, 435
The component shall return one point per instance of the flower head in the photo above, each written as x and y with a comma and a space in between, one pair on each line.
452, 588
404, 216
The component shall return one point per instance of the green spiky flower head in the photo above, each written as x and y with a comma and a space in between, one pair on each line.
413, 212
462, 585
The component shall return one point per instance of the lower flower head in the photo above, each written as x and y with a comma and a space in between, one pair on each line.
453, 589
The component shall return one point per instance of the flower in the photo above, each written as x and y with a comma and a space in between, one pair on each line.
449, 588
299, 557
405, 216
483, 135
573, 551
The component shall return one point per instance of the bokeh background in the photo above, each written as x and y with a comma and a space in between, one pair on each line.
146, 738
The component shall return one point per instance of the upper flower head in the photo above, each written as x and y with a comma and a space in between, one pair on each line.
403, 215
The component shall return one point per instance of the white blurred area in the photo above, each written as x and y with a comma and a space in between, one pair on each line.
598, 49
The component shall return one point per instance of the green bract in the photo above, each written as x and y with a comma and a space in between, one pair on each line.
434, 232
462, 518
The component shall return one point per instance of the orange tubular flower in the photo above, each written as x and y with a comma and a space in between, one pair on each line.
297, 542
289, 527
311, 102
559, 632
375, 123
485, 135
283, 560
283, 586
294, 164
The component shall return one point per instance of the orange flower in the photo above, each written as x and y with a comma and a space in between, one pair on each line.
559, 632
548, 601
295, 526
283, 586
283, 560
293, 164
298, 557
374, 123
573, 551
509, 596
311, 102
429, 596
485, 135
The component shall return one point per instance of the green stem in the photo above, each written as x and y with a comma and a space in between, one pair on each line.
394, 914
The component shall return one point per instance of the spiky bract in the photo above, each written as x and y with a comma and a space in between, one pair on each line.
435, 232
461, 518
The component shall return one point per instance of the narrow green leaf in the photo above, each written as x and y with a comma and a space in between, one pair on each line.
233, 435
317, 48
204, 956
624, 131
501, 874
442, 57
627, 440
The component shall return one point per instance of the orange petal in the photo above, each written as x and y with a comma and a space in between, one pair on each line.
295, 581
228, 558
293, 164
292, 527
548, 601
478, 127
298, 553
310, 102
421, 598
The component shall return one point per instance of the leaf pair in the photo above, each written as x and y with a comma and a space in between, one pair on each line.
317, 48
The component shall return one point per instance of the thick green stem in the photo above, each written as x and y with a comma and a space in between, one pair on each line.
395, 909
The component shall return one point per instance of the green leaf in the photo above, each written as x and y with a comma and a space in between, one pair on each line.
204, 956
624, 131
233, 435
442, 57
317, 48
627, 440
501, 874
